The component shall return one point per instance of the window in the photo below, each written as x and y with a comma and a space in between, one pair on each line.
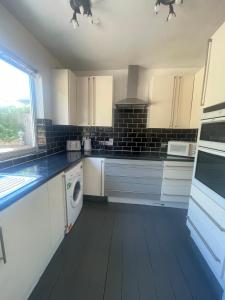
17, 130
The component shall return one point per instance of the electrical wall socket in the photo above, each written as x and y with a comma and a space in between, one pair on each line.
110, 142
107, 143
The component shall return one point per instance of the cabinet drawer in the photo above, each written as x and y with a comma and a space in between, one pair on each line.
178, 164
178, 173
134, 196
176, 187
133, 171
135, 162
209, 238
175, 198
137, 185
215, 211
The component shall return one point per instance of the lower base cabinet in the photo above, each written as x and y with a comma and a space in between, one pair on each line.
27, 239
32, 229
132, 181
57, 211
206, 222
94, 176
176, 185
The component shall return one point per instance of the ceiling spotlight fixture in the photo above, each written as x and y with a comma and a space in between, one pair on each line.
170, 4
82, 7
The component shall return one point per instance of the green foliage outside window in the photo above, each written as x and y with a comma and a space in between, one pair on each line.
12, 122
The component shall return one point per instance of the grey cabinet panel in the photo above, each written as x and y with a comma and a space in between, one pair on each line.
133, 179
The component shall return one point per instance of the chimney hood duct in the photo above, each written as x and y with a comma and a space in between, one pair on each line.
132, 99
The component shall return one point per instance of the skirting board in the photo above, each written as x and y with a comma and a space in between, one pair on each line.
148, 202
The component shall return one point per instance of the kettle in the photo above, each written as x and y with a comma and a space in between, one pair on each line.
87, 144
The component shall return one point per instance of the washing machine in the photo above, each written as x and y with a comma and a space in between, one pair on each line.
73, 194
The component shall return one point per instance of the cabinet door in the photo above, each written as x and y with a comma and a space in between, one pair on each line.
64, 97
27, 239
94, 176
56, 195
60, 97
183, 103
162, 102
102, 100
215, 87
83, 101
196, 109
72, 107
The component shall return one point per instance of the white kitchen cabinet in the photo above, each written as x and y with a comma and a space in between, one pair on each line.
215, 69
176, 184
209, 235
94, 176
171, 101
64, 97
133, 181
161, 106
27, 239
57, 212
196, 109
94, 100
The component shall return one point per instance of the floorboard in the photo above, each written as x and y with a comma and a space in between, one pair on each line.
126, 252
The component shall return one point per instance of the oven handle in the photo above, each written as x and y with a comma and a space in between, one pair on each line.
213, 120
203, 240
208, 215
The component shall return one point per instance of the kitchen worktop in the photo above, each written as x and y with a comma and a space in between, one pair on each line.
136, 155
44, 169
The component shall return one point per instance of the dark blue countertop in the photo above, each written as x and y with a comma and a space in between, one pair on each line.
43, 169
136, 156
46, 168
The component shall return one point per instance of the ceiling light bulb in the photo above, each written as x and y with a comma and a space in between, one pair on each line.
156, 9
82, 10
95, 20
90, 19
75, 24
178, 2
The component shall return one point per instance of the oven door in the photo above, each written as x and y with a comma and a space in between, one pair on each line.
210, 174
212, 134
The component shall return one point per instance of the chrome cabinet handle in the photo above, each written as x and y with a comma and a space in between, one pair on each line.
2, 247
208, 215
94, 101
203, 240
173, 100
178, 101
206, 72
102, 193
89, 105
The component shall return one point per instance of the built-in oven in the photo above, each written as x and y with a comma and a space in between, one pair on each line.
209, 173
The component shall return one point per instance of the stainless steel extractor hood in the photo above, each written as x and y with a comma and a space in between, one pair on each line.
132, 99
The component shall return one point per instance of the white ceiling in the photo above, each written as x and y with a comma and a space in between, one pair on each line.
129, 32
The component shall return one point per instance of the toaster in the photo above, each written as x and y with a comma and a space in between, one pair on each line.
73, 145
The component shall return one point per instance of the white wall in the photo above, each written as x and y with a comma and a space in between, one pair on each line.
17, 39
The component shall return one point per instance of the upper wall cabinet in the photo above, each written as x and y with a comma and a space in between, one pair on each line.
94, 101
171, 101
64, 97
214, 87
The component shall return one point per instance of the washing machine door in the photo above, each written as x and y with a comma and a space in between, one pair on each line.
77, 193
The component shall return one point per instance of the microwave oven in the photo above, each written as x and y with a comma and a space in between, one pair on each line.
178, 148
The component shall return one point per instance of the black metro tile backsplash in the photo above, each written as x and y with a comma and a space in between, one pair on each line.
129, 133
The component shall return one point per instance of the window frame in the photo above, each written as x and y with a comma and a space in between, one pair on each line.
19, 64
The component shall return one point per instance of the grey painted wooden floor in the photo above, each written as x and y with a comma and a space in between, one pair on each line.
126, 252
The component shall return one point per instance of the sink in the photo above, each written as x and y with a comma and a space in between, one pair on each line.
10, 183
